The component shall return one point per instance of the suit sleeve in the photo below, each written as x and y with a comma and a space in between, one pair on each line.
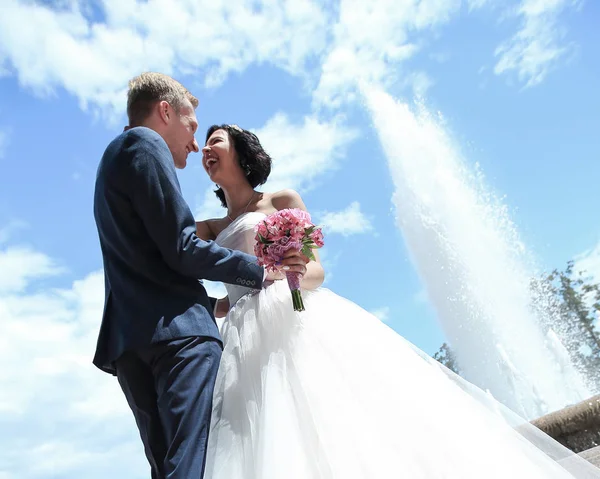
156, 197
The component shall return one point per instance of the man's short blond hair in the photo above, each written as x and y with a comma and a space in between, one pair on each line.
147, 89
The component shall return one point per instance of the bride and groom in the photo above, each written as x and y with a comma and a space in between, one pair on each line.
327, 393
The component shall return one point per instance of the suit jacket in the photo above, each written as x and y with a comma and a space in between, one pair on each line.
153, 260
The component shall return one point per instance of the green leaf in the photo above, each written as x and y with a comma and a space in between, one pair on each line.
307, 251
264, 240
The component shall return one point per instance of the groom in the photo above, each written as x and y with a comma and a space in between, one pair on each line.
158, 333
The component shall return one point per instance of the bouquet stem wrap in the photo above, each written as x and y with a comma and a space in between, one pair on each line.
293, 280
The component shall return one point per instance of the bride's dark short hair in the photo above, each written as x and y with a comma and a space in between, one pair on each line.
253, 159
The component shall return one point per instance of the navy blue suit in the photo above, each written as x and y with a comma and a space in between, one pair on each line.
158, 332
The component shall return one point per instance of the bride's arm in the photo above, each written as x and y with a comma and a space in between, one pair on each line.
221, 307
203, 231
314, 276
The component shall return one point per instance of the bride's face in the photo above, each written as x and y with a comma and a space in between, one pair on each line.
219, 157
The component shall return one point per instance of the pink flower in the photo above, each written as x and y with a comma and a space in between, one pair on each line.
284, 230
277, 234
278, 250
317, 237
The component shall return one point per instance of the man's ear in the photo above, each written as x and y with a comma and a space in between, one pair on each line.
126, 128
164, 110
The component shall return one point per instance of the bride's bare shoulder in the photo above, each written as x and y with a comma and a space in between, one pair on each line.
287, 198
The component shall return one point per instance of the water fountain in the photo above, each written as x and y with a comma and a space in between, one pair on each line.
475, 268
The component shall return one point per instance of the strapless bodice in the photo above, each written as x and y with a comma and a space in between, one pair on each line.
240, 235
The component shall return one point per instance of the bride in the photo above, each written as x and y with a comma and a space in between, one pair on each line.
332, 392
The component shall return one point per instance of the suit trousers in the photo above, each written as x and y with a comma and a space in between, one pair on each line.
169, 387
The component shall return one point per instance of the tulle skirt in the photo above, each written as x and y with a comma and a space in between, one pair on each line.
334, 393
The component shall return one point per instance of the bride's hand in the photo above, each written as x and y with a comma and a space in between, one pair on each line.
293, 261
274, 276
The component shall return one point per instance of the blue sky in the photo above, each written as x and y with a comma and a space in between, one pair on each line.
516, 83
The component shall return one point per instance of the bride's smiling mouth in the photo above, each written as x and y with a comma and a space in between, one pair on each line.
210, 161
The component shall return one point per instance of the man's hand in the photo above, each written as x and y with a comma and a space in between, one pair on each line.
293, 261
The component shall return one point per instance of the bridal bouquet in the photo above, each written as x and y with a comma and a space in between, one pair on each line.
278, 233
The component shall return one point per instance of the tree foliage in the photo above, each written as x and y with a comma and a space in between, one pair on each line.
568, 303
446, 356
573, 301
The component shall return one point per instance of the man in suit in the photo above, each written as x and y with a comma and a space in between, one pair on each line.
158, 332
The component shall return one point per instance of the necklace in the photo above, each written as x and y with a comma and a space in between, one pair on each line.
249, 201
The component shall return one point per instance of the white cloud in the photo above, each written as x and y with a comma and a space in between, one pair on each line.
382, 313
476, 4
347, 222
60, 415
538, 46
370, 40
49, 48
301, 152
20, 265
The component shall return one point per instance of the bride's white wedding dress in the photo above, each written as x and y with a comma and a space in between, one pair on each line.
333, 393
